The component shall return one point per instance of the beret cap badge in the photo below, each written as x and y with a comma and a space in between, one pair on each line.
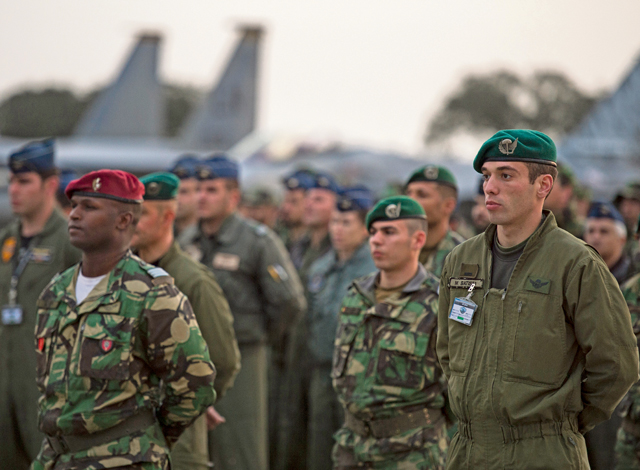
153, 188
431, 172
507, 146
97, 184
393, 211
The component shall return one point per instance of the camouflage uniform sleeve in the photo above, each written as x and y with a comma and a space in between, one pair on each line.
280, 286
178, 355
216, 324
603, 330
443, 310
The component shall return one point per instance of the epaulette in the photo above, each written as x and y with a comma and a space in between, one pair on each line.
261, 230
159, 275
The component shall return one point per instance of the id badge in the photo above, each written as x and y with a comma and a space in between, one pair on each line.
463, 310
11, 315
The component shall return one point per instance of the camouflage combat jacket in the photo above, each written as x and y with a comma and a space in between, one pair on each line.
631, 292
433, 260
104, 360
384, 360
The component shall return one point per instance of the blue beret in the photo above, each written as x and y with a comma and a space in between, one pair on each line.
35, 156
325, 181
604, 210
301, 179
355, 198
185, 166
218, 166
66, 177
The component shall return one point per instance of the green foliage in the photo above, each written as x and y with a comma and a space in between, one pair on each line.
547, 101
55, 112
50, 112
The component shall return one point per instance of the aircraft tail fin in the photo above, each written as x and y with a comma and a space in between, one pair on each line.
132, 105
228, 113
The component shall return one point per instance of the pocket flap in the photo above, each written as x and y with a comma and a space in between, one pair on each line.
106, 326
347, 333
406, 342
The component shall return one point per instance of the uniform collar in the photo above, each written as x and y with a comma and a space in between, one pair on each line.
545, 227
228, 232
55, 220
105, 288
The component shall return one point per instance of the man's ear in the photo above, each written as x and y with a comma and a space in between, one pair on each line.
545, 185
449, 205
51, 185
419, 238
124, 220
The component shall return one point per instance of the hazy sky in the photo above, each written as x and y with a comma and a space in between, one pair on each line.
363, 71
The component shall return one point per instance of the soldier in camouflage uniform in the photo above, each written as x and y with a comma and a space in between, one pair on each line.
35, 247
385, 370
121, 364
154, 243
264, 293
436, 189
627, 449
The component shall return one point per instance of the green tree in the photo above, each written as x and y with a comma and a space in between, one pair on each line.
546, 101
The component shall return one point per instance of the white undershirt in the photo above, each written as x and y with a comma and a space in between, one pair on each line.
84, 285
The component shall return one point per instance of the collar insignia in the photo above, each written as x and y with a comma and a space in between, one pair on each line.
507, 146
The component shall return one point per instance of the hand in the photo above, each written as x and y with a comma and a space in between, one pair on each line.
214, 418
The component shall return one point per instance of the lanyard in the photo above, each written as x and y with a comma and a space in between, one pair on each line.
23, 259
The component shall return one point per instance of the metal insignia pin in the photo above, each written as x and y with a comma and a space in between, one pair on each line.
431, 172
507, 146
97, 184
153, 189
393, 211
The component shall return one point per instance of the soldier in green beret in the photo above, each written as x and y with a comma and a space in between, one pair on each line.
154, 242
532, 362
35, 247
436, 189
385, 369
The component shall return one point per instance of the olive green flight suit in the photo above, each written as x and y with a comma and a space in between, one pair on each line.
216, 324
52, 252
543, 361
265, 295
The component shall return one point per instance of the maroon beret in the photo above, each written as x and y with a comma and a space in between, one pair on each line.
111, 184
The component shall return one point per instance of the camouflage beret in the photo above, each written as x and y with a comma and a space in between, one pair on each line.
161, 186
35, 156
433, 173
517, 145
394, 208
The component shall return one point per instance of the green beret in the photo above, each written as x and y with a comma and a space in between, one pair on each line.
394, 208
517, 145
160, 186
438, 174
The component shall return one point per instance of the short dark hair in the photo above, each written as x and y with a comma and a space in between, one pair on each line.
447, 190
417, 224
537, 169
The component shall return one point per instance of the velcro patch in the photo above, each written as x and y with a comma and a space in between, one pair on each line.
464, 283
538, 284
180, 330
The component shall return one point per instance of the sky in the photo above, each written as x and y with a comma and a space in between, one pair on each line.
366, 72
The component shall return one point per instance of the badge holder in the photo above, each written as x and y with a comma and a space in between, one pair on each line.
464, 308
12, 313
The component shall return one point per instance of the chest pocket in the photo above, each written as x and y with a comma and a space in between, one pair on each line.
537, 340
343, 345
45, 332
401, 362
105, 346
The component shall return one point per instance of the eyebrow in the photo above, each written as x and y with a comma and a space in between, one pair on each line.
502, 168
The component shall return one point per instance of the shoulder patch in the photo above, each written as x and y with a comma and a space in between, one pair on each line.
155, 272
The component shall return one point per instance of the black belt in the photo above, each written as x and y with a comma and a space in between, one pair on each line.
77, 443
389, 427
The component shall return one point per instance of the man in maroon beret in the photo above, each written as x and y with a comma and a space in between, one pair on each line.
109, 331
